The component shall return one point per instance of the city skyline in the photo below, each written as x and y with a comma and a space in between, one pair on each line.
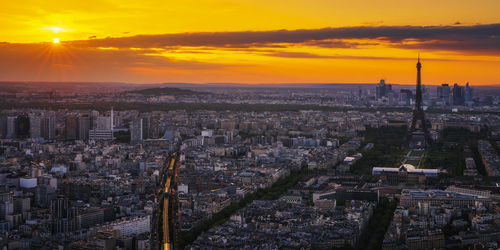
250, 42
249, 124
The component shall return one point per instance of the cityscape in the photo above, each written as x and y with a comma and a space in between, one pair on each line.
124, 141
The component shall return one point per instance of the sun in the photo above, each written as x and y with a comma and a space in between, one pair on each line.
55, 40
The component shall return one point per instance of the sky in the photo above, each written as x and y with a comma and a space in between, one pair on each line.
250, 41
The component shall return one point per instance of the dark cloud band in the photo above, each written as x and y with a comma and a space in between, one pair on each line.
476, 37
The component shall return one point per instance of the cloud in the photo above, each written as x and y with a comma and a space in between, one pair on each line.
462, 38
287, 54
237, 56
336, 43
487, 46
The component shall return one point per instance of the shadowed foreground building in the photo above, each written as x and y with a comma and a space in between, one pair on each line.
404, 174
281, 225
434, 219
440, 197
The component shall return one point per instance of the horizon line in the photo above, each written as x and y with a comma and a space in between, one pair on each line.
239, 83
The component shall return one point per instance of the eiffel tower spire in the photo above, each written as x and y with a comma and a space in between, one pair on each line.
418, 135
418, 103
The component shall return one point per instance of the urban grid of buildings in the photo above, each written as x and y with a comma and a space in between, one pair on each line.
89, 179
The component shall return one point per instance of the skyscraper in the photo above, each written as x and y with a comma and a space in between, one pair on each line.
71, 129
35, 127
469, 94
48, 127
153, 128
382, 90
136, 131
443, 94
418, 134
84, 127
146, 123
458, 95
103, 129
93, 119
11, 127
3, 126
405, 95
112, 126
103, 123
63, 215
22, 126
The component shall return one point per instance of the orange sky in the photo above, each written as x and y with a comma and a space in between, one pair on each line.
255, 41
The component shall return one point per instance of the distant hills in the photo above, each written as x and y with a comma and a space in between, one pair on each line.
165, 91
186, 89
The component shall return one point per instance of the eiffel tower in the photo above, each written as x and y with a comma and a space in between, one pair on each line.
418, 136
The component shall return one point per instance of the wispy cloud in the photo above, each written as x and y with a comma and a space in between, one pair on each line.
290, 54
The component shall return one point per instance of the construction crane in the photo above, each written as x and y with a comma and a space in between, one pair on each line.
37, 167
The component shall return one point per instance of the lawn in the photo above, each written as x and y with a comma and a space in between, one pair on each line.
388, 151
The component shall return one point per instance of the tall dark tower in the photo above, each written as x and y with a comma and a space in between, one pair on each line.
418, 135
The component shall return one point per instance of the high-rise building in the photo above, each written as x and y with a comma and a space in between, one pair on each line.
150, 127
22, 126
405, 96
136, 131
146, 123
443, 93
103, 129
425, 92
93, 118
112, 126
458, 95
469, 94
103, 123
63, 216
96, 134
117, 121
154, 131
84, 127
6, 203
71, 129
90, 217
11, 127
3, 126
35, 126
382, 90
48, 127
